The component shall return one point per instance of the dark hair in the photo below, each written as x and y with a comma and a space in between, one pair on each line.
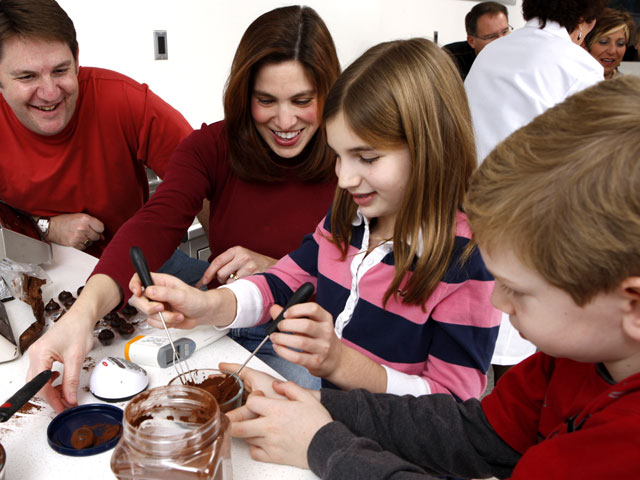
568, 13
43, 19
288, 33
611, 20
483, 8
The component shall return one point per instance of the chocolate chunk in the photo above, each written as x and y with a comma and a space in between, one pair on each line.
52, 306
63, 295
113, 319
79, 291
129, 310
106, 336
68, 302
125, 329
82, 437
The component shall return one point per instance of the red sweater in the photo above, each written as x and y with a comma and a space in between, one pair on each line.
567, 420
268, 218
96, 165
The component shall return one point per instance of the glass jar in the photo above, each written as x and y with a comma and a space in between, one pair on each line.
174, 432
233, 396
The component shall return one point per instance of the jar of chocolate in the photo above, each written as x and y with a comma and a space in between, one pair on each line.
173, 432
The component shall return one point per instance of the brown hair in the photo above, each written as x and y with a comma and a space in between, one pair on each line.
482, 8
563, 191
409, 92
289, 33
610, 21
43, 19
568, 13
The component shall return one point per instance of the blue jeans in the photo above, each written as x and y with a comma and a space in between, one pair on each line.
250, 338
182, 266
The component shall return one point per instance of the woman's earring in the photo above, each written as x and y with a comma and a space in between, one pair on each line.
580, 35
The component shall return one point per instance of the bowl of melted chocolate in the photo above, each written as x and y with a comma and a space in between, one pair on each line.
227, 388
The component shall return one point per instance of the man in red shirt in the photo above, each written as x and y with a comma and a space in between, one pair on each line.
75, 140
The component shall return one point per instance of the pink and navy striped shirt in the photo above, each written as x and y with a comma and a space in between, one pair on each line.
446, 348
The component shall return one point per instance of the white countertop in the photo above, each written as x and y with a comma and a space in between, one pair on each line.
24, 437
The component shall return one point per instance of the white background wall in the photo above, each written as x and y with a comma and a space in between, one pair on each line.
202, 36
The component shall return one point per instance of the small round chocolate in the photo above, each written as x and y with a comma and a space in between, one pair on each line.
52, 306
82, 438
68, 302
63, 295
79, 291
129, 310
106, 336
113, 319
125, 329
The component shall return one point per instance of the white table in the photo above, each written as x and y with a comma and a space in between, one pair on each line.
24, 438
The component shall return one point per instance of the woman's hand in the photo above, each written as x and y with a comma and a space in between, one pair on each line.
312, 326
237, 262
183, 306
280, 430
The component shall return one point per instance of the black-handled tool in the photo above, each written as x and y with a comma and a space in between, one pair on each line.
22, 396
142, 269
301, 295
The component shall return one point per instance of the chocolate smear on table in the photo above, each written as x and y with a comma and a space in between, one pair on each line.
32, 295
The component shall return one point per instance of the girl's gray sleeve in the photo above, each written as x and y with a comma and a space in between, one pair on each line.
385, 436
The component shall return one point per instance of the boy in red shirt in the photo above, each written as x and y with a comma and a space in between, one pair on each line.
555, 210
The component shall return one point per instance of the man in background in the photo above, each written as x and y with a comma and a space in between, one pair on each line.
485, 22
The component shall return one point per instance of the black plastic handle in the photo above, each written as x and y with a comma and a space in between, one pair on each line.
141, 266
301, 295
22, 396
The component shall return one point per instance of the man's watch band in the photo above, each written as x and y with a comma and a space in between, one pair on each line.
43, 225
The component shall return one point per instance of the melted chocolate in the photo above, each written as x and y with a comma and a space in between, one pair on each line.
88, 436
221, 387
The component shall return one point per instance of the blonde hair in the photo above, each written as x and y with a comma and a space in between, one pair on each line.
408, 92
610, 21
564, 191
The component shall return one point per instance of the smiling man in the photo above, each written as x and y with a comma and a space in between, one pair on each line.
75, 140
485, 22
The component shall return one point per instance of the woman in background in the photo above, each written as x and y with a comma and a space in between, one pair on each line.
266, 171
608, 40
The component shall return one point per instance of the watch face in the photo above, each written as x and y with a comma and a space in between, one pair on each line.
43, 225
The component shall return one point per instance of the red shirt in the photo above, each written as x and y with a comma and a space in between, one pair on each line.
96, 165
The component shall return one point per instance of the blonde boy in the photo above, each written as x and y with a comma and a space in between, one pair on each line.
555, 210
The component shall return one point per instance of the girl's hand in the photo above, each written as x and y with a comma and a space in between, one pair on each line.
321, 349
236, 262
183, 306
280, 431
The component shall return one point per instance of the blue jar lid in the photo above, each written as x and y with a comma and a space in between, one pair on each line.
100, 418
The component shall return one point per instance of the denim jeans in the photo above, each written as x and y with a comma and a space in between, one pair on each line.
187, 269
250, 338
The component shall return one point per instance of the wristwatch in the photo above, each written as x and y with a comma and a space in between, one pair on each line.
43, 225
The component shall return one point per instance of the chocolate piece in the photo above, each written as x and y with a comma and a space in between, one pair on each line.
32, 295
63, 295
125, 329
68, 302
79, 291
82, 437
52, 306
129, 310
106, 336
113, 319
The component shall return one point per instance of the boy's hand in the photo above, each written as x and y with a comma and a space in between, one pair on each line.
280, 431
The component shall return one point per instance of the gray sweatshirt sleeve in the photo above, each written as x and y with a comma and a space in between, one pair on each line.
377, 436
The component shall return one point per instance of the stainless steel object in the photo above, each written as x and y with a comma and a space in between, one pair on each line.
8, 345
23, 249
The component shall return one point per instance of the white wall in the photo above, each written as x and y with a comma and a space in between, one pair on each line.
202, 36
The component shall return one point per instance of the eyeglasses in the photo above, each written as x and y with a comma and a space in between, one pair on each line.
494, 36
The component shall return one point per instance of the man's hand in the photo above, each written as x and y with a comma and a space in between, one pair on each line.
77, 230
